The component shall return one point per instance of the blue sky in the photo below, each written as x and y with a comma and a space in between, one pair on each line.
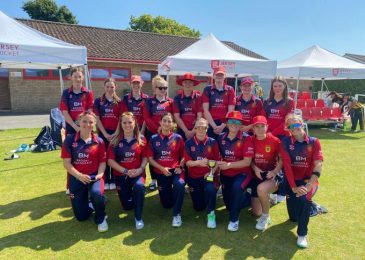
276, 29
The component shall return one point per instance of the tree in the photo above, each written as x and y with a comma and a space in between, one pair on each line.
160, 24
49, 11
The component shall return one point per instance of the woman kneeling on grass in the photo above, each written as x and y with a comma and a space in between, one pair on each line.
267, 165
84, 159
199, 151
302, 159
165, 154
126, 155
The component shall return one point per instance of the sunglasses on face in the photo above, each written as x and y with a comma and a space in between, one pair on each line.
295, 126
234, 122
162, 88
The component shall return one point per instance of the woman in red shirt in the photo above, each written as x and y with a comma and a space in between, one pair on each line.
126, 155
165, 154
84, 159
107, 109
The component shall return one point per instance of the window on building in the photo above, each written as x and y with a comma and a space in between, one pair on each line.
37, 73
148, 75
118, 74
98, 73
4, 73
65, 73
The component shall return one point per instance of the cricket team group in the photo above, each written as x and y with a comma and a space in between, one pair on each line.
210, 140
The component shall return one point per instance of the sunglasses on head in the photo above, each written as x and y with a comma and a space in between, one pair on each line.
162, 88
295, 126
234, 122
200, 127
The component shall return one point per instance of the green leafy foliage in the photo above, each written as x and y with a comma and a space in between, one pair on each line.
353, 86
160, 24
48, 10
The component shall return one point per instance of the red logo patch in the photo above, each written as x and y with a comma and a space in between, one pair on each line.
335, 72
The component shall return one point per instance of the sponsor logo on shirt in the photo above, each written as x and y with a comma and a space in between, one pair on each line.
130, 154
83, 155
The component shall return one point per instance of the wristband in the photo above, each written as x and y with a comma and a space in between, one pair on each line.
316, 174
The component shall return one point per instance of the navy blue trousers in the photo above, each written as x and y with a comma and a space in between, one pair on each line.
210, 131
108, 175
171, 190
203, 194
131, 193
79, 194
234, 196
298, 208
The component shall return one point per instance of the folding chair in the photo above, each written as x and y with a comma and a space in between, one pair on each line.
316, 113
310, 103
319, 103
306, 95
300, 103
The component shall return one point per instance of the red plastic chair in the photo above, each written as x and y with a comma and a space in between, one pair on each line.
301, 103
316, 113
310, 103
306, 113
319, 103
292, 94
336, 113
306, 95
326, 113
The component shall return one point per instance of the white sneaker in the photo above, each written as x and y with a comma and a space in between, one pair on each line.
112, 186
139, 224
211, 220
68, 192
281, 198
103, 226
302, 241
263, 222
176, 221
233, 226
106, 186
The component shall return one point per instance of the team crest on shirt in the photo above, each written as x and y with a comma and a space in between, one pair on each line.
223, 142
173, 144
238, 144
267, 148
120, 145
291, 147
212, 92
209, 149
192, 148
157, 143
74, 145
70, 96
129, 100
153, 102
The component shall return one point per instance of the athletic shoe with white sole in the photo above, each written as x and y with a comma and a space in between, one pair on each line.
211, 220
103, 226
106, 186
281, 198
233, 226
112, 186
263, 222
139, 224
176, 221
302, 241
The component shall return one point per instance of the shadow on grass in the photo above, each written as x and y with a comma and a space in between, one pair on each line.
277, 242
38, 207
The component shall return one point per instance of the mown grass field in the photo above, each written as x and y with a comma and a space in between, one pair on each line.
36, 221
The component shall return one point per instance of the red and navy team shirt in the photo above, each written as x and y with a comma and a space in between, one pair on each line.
108, 111
196, 150
166, 150
276, 113
188, 107
235, 150
129, 155
218, 100
85, 157
299, 158
153, 110
249, 109
131, 104
266, 152
75, 104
